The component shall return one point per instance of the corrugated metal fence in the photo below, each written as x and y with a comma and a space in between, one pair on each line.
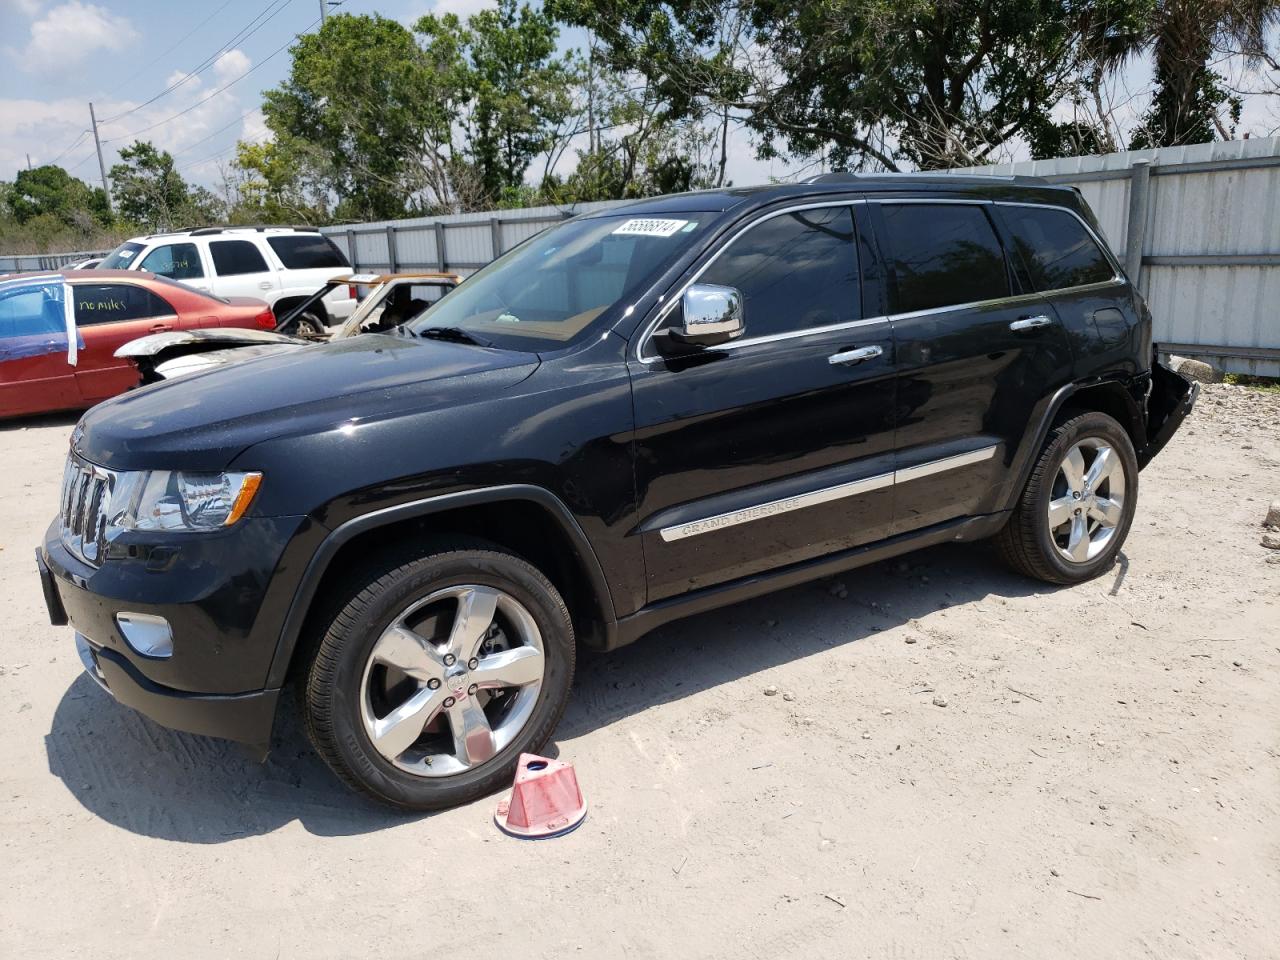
1199, 229
461, 243
1198, 226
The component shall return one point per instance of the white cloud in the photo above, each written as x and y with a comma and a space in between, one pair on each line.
71, 31
463, 8
231, 65
255, 129
27, 8
46, 128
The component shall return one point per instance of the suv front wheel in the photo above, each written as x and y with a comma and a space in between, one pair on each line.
1077, 507
437, 674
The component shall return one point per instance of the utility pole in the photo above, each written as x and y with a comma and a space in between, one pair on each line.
102, 167
28, 161
324, 12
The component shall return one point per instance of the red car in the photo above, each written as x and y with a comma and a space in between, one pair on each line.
43, 369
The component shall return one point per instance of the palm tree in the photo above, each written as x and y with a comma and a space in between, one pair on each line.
1186, 38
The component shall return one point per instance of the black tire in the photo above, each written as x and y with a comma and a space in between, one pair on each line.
307, 324
331, 686
1027, 544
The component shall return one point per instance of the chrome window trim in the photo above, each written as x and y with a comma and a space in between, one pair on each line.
1117, 278
773, 508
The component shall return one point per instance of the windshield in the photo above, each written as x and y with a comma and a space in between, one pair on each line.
121, 258
547, 292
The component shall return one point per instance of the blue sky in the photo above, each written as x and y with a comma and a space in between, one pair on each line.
121, 54
61, 54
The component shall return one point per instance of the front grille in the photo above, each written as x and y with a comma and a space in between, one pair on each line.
86, 500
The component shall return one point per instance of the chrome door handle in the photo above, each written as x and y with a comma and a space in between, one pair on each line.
264, 284
854, 356
1030, 323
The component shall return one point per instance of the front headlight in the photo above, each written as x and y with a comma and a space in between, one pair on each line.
180, 502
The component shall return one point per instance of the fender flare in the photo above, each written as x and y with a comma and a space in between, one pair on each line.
319, 563
1033, 440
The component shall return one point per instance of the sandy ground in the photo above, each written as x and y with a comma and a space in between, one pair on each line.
1101, 782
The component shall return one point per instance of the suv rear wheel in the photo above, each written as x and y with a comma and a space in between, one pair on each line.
437, 674
1077, 507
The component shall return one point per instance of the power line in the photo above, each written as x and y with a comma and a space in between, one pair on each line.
74, 143
212, 58
185, 37
195, 163
159, 123
191, 146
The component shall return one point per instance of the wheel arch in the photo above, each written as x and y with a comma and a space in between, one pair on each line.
288, 301
1113, 397
527, 520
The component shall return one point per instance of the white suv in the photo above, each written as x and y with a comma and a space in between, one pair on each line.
281, 265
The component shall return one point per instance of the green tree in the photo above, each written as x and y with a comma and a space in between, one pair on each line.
50, 190
932, 83
1191, 102
507, 86
149, 191
365, 112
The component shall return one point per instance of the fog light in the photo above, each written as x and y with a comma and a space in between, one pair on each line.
148, 634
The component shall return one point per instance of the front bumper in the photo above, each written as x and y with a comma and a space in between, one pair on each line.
246, 717
215, 596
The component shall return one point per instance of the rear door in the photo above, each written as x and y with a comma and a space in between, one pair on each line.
240, 270
35, 374
308, 260
1063, 259
776, 448
109, 315
977, 356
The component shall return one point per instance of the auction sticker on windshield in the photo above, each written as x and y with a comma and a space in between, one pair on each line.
651, 227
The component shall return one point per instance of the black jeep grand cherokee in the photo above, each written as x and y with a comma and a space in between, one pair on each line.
638, 415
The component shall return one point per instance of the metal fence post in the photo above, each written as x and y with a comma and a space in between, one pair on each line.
392, 259
441, 259
1136, 231
351, 249
495, 237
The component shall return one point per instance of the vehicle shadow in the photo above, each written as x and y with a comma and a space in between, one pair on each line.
66, 418
176, 786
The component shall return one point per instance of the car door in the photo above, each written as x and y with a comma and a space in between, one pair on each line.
977, 356
776, 448
35, 371
178, 261
240, 270
109, 315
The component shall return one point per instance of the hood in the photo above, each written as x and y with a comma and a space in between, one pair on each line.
200, 422
183, 364
154, 343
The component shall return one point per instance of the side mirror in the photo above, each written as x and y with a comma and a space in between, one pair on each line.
712, 315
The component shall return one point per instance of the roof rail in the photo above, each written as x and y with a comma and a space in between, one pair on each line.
259, 227
845, 177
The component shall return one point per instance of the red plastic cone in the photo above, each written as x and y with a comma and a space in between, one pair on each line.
545, 800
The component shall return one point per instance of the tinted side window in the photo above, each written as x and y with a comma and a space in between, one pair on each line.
307, 252
795, 271
115, 302
232, 257
179, 261
940, 255
1056, 248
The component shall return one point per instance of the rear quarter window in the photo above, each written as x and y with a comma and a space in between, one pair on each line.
1055, 248
307, 252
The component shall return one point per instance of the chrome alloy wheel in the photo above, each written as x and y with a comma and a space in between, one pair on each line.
452, 681
1087, 501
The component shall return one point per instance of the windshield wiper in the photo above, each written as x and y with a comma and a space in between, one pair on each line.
454, 335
